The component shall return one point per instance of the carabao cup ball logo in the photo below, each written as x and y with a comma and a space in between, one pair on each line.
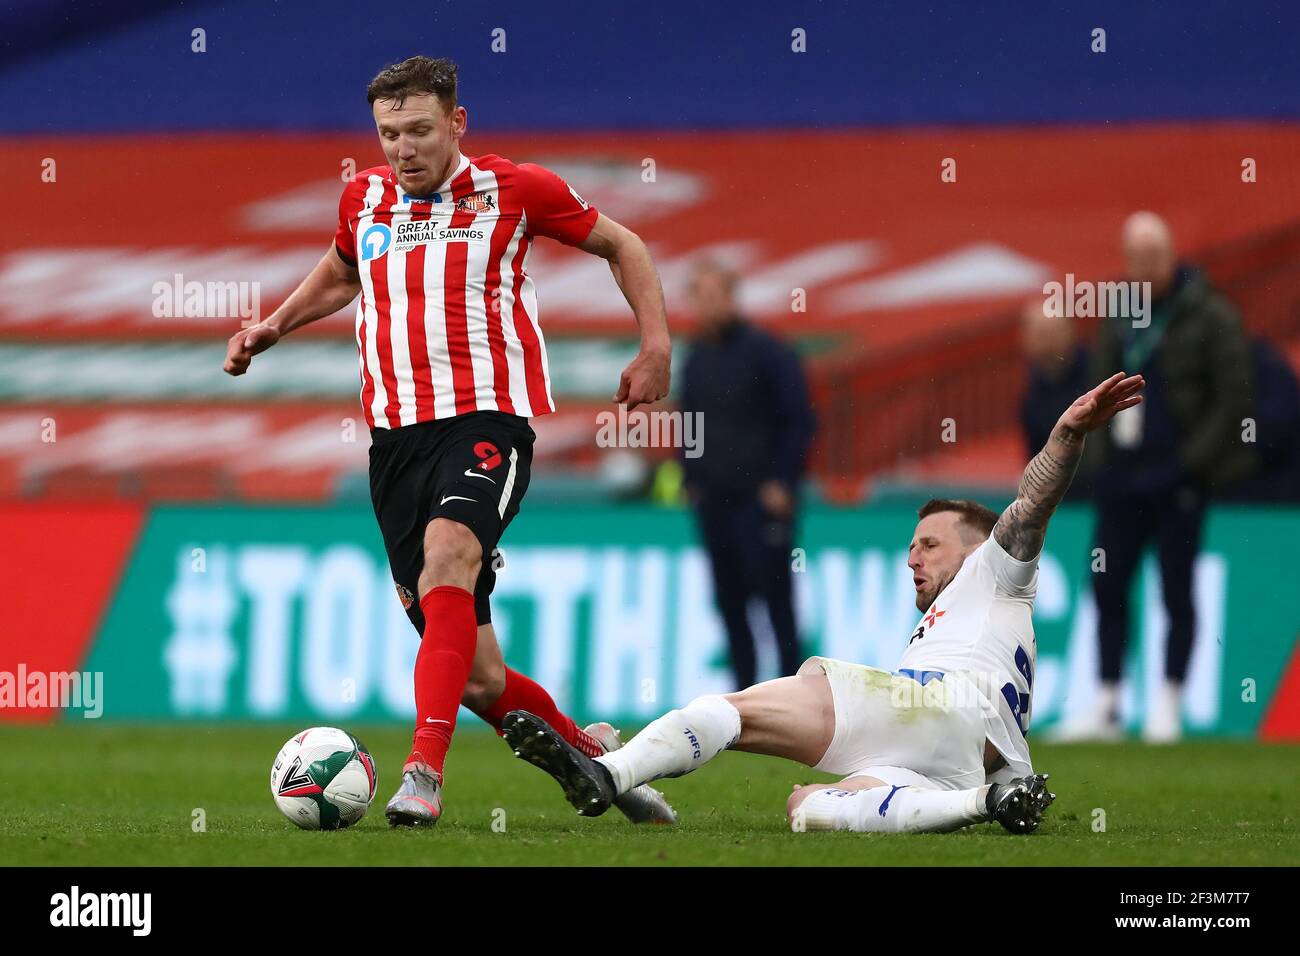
375, 241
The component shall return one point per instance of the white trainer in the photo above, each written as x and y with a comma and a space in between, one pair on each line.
1164, 723
1099, 727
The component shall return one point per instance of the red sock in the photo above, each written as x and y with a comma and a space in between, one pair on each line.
522, 693
442, 669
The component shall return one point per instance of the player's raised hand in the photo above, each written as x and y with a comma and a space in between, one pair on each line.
246, 343
1098, 406
646, 379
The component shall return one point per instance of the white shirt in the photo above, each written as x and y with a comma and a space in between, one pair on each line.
981, 625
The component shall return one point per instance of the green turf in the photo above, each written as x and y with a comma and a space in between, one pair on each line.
85, 793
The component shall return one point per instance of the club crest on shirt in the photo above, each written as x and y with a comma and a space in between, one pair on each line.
476, 202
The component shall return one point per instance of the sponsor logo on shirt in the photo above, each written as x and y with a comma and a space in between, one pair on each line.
933, 615
374, 241
419, 232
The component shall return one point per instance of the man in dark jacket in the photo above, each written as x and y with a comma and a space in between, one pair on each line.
1277, 424
744, 488
1163, 458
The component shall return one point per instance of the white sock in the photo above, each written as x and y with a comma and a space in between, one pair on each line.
676, 743
1172, 696
890, 810
1108, 702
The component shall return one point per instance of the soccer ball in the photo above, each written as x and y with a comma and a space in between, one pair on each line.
324, 779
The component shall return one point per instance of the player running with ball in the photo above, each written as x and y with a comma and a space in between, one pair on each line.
453, 365
936, 745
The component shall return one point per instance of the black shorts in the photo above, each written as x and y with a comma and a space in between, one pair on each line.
472, 468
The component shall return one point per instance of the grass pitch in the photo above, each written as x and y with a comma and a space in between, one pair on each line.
87, 794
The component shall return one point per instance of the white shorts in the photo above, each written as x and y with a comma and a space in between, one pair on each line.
891, 727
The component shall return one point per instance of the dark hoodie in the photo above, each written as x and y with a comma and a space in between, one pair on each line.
758, 420
1195, 356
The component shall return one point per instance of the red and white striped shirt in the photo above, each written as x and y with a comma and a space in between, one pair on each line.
447, 322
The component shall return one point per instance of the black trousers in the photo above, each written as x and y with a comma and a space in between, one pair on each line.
749, 551
1124, 528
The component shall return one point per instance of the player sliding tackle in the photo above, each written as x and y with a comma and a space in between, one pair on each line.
936, 745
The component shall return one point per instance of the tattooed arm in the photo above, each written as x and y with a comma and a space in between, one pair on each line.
1023, 526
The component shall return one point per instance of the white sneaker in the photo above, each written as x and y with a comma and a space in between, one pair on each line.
1100, 727
1164, 723
643, 804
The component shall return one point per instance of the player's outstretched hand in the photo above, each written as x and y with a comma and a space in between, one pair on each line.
1099, 406
246, 343
645, 380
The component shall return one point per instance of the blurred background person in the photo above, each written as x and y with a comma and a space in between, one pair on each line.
1162, 459
758, 422
1058, 374
1276, 413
